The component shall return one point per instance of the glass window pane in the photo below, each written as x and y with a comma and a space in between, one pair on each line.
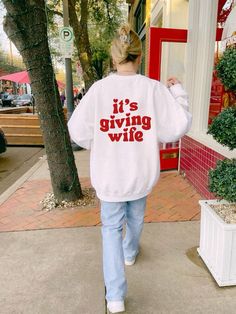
173, 61
220, 97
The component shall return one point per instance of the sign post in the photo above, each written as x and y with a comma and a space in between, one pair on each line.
66, 44
66, 41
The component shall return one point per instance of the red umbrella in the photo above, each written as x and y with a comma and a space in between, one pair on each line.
19, 77
23, 77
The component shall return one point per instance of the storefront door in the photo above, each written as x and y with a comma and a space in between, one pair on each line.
169, 153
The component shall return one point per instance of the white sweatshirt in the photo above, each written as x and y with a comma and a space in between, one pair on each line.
122, 119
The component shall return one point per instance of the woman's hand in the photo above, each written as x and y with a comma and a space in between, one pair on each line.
172, 81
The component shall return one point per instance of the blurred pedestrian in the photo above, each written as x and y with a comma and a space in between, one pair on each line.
63, 98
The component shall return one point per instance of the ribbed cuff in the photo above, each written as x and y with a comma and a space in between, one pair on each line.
177, 90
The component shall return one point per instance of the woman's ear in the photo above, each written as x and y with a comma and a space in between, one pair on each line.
139, 59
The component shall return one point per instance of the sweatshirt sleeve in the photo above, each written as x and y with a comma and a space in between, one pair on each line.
173, 117
81, 123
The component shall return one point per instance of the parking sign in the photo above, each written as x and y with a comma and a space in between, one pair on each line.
66, 41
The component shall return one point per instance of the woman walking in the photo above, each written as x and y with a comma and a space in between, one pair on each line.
121, 119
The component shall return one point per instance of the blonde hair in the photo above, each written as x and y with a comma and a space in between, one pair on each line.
126, 46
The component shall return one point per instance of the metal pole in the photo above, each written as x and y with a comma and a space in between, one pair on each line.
68, 68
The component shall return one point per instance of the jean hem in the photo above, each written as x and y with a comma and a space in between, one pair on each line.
115, 300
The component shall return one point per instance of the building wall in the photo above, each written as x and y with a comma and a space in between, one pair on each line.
171, 14
179, 14
199, 151
132, 9
195, 162
144, 33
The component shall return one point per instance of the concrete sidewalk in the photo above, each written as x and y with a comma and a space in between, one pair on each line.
58, 270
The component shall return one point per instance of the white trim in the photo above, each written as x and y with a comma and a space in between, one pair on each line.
208, 141
191, 51
165, 46
201, 46
162, 7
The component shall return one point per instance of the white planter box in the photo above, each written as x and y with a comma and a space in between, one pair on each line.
218, 245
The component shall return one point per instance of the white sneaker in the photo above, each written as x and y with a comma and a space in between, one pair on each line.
130, 263
116, 306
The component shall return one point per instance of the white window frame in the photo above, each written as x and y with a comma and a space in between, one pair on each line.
163, 7
200, 60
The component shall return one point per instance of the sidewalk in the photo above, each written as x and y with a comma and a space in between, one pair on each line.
54, 267
173, 199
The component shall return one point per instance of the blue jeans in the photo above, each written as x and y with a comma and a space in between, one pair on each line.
115, 250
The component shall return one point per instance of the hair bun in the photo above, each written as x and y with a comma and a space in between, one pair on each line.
124, 29
126, 46
124, 33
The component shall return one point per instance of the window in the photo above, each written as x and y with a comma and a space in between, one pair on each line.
142, 67
140, 16
140, 19
220, 97
200, 52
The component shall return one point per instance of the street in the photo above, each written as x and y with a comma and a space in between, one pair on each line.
15, 162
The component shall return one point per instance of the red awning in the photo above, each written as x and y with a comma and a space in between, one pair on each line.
23, 77
19, 77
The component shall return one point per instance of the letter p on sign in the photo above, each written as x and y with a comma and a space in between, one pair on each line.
66, 41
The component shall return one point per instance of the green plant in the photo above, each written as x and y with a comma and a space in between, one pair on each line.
222, 180
223, 128
226, 69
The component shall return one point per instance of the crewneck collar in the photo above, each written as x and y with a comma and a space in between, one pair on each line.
126, 75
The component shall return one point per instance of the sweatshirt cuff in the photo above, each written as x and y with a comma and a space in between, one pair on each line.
177, 90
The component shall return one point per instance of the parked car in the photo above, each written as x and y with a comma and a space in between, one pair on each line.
3, 142
24, 100
7, 100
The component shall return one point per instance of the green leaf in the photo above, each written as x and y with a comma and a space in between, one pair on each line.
222, 180
223, 128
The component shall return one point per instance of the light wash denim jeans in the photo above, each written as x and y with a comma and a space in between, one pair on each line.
115, 250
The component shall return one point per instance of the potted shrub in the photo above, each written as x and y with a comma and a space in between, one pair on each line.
226, 69
218, 217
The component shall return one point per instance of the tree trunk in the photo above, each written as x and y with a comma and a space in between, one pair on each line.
26, 25
82, 43
98, 65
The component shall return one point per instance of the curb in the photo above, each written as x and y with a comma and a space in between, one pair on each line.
6, 194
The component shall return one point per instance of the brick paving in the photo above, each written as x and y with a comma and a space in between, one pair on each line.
172, 199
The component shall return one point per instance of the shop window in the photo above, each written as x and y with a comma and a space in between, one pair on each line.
220, 97
140, 16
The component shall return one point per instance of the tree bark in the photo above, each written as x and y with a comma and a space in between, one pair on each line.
26, 25
80, 28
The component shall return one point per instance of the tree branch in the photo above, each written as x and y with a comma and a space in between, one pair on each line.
55, 12
108, 10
